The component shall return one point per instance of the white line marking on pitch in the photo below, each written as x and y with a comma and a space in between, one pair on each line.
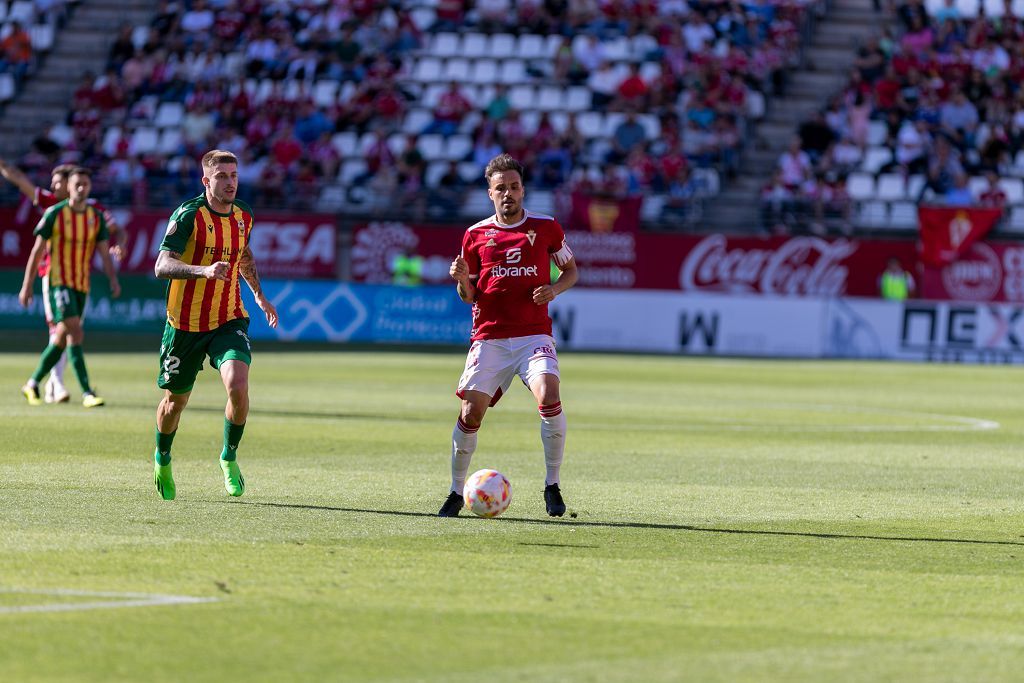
963, 423
120, 600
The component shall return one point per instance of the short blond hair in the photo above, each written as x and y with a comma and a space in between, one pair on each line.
218, 156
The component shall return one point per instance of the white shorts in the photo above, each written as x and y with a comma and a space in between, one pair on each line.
493, 363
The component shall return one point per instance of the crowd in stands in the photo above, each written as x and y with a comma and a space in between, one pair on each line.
940, 95
319, 93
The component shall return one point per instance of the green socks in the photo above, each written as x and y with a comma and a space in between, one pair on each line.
232, 435
49, 358
77, 359
162, 454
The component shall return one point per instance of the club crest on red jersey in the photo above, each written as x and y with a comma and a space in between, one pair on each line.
531, 235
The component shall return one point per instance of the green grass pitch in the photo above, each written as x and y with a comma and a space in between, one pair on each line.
735, 521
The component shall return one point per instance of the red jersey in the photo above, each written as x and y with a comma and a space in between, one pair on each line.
43, 200
506, 263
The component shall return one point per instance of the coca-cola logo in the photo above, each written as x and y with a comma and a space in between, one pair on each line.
975, 276
801, 266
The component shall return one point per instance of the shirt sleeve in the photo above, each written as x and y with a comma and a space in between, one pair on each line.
104, 232
44, 228
559, 248
179, 229
471, 255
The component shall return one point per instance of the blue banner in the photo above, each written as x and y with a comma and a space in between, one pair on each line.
343, 312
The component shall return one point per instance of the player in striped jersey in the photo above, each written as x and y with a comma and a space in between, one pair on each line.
204, 254
72, 230
43, 199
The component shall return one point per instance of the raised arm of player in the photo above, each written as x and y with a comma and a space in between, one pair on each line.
13, 175
108, 268
247, 267
547, 293
459, 271
118, 236
38, 249
169, 266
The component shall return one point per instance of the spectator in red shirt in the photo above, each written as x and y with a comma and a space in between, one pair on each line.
632, 92
994, 195
17, 51
451, 109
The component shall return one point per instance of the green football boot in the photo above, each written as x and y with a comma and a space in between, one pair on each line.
164, 481
234, 482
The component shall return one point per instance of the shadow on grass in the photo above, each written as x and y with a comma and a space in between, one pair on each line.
644, 525
305, 414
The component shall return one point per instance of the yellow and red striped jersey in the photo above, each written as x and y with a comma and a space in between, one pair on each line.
72, 237
203, 237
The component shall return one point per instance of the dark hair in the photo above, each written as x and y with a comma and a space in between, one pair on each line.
80, 170
63, 170
502, 163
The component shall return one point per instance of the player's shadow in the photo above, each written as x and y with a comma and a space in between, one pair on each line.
306, 414
644, 525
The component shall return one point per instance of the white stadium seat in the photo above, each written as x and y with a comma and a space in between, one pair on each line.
484, 71
531, 46
169, 114
513, 71
1016, 222
873, 214
502, 46
860, 186
445, 45
416, 121
325, 93
144, 141
877, 133
432, 147
458, 147
456, 70
875, 158
474, 45
891, 187
903, 215
977, 185
550, 98
1014, 189
578, 98
347, 143
522, 97
349, 170
427, 70
170, 141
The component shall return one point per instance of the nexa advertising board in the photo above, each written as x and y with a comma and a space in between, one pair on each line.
667, 322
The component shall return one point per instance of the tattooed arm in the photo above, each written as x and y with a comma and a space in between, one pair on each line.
247, 268
169, 266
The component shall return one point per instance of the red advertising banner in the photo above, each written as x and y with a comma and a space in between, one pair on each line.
796, 266
986, 272
948, 232
16, 225
285, 245
600, 214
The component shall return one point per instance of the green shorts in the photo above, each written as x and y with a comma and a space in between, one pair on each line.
62, 303
182, 353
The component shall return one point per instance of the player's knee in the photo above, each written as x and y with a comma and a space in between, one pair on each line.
472, 415
238, 391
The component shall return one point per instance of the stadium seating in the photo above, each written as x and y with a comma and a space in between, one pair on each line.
417, 68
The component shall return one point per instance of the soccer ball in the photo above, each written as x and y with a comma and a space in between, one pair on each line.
487, 493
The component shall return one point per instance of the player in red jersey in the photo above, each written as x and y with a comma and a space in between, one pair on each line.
43, 199
504, 271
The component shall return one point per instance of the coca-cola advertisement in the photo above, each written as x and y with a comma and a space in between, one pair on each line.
285, 245
792, 266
